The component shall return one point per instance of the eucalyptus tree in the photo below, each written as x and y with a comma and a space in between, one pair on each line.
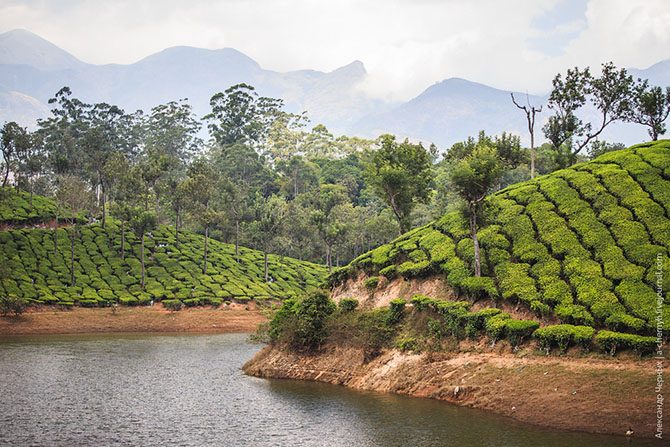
270, 215
330, 226
204, 200
74, 197
473, 177
530, 111
142, 222
650, 107
610, 94
400, 174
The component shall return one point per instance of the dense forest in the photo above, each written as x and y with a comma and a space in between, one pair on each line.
253, 174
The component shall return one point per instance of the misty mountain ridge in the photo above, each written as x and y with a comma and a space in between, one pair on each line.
32, 70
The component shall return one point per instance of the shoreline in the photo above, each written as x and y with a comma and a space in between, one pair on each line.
587, 394
234, 318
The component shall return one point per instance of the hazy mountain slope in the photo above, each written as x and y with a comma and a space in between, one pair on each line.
450, 111
36, 68
21, 47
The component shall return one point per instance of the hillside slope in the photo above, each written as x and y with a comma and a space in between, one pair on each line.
38, 270
582, 246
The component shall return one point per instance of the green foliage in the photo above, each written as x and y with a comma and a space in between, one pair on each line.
518, 330
407, 344
372, 282
348, 304
172, 273
562, 336
173, 304
400, 175
12, 304
397, 310
611, 342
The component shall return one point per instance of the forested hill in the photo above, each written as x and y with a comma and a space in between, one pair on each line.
579, 246
36, 265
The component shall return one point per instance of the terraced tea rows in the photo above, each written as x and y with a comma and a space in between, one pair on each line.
583, 244
40, 270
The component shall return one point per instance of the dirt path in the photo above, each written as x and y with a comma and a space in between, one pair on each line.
598, 395
233, 318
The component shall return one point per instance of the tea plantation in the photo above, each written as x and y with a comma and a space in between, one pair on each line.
39, 271
583, 245
15, 208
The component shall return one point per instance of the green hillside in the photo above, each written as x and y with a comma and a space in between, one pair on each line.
16, 209
582, 245
41, 275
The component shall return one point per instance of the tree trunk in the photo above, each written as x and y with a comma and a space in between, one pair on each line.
30, 185
204, 264
104, 207
6, 177
142, 260
72, 235
56, 236
533, 155
123, 240
237, 240
329, 263
176, 230
473, 231
265, 262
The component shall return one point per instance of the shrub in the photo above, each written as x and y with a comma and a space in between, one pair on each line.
407, 344
612, 341
372, 282
518, 330
191, 302
348, 304
562, 336
574, 314
624, 322
388, 272
396, 311
173, 305
421, 302
479, 287
12, 304
495, 326
475, 322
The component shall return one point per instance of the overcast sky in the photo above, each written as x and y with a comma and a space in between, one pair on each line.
406, 45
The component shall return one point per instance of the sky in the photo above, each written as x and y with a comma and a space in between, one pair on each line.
406, 45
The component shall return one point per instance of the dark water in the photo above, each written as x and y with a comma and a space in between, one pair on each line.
189, 391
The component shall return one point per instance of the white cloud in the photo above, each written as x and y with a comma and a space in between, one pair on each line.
406, 45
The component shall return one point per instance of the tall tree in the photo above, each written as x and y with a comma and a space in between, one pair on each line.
12, 137
473, 177
610, 94
530, 112
74, 197
202, 185
142, 222
400, 174
270, 215
650, 107
326, 219
239, 115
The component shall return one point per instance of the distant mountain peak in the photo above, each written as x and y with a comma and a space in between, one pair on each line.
355, 68
22, 47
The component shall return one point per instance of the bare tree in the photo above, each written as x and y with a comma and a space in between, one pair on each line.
530, 118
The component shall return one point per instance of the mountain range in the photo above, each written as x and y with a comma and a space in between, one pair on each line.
32, 70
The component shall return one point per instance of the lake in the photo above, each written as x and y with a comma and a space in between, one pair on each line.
188, 390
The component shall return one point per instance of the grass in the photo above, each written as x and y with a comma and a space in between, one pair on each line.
581, 245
